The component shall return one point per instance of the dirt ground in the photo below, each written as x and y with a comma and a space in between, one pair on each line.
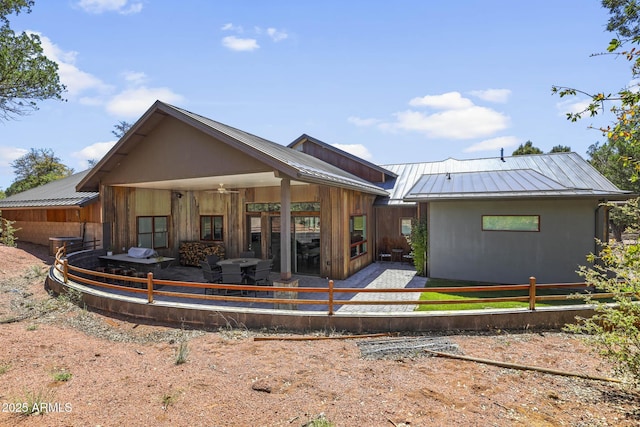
92, 370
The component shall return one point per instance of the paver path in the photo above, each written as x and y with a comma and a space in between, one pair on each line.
388, 278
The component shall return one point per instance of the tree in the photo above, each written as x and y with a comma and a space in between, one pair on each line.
121, 128
625, 22
526, 148
614, 329
26, 74
560, 149
36, 168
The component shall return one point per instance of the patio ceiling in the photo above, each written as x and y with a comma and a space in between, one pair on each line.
230, 182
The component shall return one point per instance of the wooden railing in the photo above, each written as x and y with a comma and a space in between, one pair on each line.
149, 285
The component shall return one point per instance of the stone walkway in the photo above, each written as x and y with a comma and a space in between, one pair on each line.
391, 275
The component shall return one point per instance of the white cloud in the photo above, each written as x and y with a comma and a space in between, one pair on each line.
134, 102
92, 152
572, 106
492, 95
239, 44
230, 27
135, 77
357, 150
362, 122
493, 144
276, 35
458, 118
123, 7
9, 154
74, 79
464, 123
446, 101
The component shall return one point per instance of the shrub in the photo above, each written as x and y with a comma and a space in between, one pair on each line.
614, 329
7, 232
418, 241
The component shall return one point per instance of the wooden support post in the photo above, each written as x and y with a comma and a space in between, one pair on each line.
532, 293
330, 297
65, 270
150, 287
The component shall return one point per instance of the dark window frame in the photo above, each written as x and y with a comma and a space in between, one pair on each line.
212, 219
359, 247
153, 231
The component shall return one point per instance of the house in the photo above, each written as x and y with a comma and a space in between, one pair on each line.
55, 210
505, 219
177, 177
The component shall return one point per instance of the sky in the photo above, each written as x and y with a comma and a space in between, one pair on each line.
392, 82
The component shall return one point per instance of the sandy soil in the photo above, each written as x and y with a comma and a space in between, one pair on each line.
90, 370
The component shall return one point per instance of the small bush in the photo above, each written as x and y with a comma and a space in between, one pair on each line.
4, 367
182, 353
61, 375
34, 403
7, 232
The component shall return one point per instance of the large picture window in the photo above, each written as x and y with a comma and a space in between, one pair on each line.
358, 235
510, 222
211, 227
153, 232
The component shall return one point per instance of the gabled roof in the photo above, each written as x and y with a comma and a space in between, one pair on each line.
289, 162
58, 193
304, 138
544, 175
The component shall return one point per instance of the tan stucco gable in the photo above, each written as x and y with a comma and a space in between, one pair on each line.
174, 150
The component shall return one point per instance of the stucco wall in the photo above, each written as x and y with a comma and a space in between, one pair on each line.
459, 249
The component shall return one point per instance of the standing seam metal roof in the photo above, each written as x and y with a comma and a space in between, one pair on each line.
544, 175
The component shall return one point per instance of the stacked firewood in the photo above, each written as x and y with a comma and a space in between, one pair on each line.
191, 253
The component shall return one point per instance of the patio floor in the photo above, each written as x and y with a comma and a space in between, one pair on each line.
376, 275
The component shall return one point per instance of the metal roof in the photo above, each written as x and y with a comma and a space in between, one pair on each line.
342, 153
544, 175
291, 162
58, 193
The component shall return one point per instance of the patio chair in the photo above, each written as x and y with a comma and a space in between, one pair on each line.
210, 275
248, 254
260, 276
232, 274
213, 260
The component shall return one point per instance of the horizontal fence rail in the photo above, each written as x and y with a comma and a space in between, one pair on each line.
152, 288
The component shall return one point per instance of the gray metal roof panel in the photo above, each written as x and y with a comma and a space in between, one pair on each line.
568, 170
58, 193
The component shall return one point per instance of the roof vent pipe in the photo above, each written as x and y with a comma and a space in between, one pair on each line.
502, 154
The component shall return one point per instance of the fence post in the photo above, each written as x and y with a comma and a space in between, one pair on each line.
330, 297
532, 293
65, 270
150, 287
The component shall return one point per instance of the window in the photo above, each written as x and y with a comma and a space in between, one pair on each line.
275, 207
153, 232
211, 227
510, 222
358, 235
405, 226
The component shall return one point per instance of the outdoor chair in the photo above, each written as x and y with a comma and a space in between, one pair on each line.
213, 260
210, 275
247, 254
232, 274
260, 276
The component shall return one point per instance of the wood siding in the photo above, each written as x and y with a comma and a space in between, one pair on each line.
388, 228
37, 225
123, 205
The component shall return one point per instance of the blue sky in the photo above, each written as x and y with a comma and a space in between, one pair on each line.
392, 82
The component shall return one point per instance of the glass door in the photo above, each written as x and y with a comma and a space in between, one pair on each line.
254, 225
305, 244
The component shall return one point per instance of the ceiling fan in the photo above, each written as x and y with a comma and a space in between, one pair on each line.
223, 190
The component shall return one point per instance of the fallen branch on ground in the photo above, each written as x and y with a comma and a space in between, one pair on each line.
522, 367
337, 337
